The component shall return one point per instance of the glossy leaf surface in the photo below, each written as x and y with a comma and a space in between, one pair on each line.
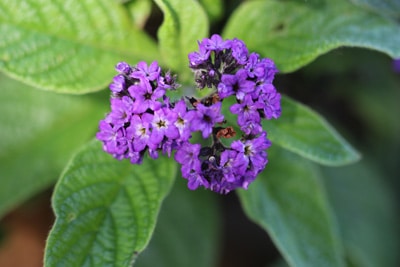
106, 209
68, 46
293, 33
289, 202
39, 132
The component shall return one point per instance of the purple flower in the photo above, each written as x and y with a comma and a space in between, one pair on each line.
121, 110
195, 180
247, 110
167, 82
227, 159
188, 156
139, 131
235, 84
135, 157
251, 151
153, 153
204, 118
182, 123
118, 84
123, 67
143, 71
145, 97
271, 105
216, 43
113, 137
168, 146
239, 51
251, 127
198, 58
253, 67
269, 70
163, 125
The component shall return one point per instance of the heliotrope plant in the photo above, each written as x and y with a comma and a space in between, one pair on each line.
143, 118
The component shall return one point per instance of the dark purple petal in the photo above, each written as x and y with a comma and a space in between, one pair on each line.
198, 58
139, 131
118, 84
204, 118
271, 105
225, 87
251, 127
239, 51
113, 138
136, 157
247, 111
121, 110
195, 180
216, 43
123, 67
143, 71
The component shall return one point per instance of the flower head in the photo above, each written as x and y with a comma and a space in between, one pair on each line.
144, 119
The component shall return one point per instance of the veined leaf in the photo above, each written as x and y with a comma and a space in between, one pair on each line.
367, 213
288, 201
187, 230
305, 132
39, 132
293, 33
106, 209
385, 7
68, 46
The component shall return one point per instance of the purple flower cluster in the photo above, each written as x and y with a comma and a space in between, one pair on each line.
143, 118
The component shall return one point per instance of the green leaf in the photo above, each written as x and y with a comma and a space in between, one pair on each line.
305, 132
184, 24
293, 33
39, 132
68, 46
213, 8
288, 201
140, 11
187, 230
367, 213
385, 7
106, 209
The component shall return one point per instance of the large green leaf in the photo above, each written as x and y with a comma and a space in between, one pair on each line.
367, 213
289, 202
187, 230
39, 132
106, 209
185, 22
68, 46
293, 33
305, 132
214, 9
385, 7
140, 11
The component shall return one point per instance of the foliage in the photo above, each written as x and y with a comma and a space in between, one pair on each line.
59, 56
